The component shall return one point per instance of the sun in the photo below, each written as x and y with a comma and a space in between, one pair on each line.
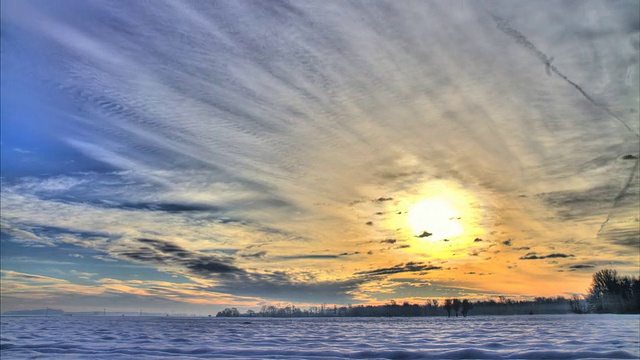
434, 216
437, 217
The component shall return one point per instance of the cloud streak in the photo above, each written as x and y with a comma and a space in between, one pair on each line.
534, 256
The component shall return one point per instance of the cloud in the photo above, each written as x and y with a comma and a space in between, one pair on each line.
165, 253
82, 275
172, 208
23, 236
258, 255
350, 253
104, 258
533, 256
309, 257
21, 151
400, 268
10, 275
424, 234
22, 290
230, 278
623, 233
193, 144
581, 266
278, 286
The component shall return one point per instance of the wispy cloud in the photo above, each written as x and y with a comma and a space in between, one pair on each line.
401, 268
277, 169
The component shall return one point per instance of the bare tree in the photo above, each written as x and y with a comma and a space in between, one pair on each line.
448, 305
466, 306
456, 306
610, 292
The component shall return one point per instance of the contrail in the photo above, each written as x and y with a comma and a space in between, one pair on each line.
618, 197
504, 26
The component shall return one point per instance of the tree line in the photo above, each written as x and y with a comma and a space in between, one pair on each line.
612, 293
609, 293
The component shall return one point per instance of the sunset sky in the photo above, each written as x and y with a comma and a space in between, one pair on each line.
196, 155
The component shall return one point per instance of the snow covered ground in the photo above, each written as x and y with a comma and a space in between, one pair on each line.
521, 337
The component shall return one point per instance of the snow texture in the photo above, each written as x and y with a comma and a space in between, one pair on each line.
482, 337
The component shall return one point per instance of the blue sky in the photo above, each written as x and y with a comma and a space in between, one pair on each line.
193, 155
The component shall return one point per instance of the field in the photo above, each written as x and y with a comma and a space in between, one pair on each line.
503, 337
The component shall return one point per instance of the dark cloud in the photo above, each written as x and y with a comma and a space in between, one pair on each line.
165, 253
383, 199
424, 234
165, 246
400, 268
369, 223
405, 246
477, 240
284, 287
350, 253
629, 157
258, 255
143, 255
389, 241
172, 207
207, 267
277, 285
576, 205
581, 266
627, 237
534, 256
309, 256
507, 242
522, 248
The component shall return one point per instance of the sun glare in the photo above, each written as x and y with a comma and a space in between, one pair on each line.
436, 217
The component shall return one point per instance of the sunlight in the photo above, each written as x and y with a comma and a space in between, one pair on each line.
435, 216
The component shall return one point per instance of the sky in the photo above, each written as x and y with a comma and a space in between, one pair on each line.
190, 155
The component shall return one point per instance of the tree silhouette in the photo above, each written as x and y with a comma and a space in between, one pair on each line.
448, 305
456, 306
610, 292
578, 305
466, 306
233, 312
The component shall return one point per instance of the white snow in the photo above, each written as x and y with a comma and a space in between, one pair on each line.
508, 337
